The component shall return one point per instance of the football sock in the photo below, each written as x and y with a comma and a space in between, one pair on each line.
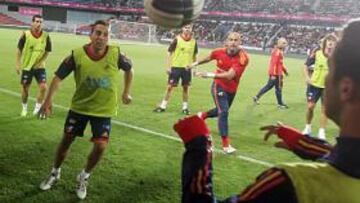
163, 104
24, 106
37, 107
321, 133
225, 141
84, 175
55, 171
307, 129
185, 105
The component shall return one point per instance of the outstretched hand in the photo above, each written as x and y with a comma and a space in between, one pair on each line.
289, 136
273, 130
199, 74
204, 74
270, 130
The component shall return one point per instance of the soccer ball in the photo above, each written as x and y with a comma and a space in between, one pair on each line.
173, 13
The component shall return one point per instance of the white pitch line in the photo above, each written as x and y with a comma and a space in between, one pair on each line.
137, 128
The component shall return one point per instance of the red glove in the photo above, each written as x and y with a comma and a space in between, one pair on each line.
190, 128
289, 135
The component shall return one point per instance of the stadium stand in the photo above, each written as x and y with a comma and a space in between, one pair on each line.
258, 32
7, 20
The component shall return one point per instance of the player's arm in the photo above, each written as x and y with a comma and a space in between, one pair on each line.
197, 160
48, 49
65, 68
169, 55
126, 65
309, 62
307, 74
200, 62
196, 52
281, 64
284, 69
304, 146
20, 47
272, 185
226, 75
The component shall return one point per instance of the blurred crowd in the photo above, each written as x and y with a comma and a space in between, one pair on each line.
257, 33
260, 36
328, 7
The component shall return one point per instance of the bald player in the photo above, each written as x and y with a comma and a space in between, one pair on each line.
231, 61
276, 71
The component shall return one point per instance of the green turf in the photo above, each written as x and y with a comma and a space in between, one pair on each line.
138, 167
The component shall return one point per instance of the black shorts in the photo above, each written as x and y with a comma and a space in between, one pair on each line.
314, 94
27, 76
177, 73
75, 125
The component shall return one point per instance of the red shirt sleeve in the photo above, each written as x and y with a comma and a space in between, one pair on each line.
214, 54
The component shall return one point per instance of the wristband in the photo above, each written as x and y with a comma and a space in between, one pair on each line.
210, 75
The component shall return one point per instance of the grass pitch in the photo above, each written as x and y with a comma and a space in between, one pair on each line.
138, 166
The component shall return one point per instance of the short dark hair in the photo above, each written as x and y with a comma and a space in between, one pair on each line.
346, 56
36, 16
328, 37
99, 22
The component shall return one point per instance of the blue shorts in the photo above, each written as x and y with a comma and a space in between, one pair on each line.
27, 76
76, 123
314, 94
177, 73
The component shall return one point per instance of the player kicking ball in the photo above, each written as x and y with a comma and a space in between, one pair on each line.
231, 61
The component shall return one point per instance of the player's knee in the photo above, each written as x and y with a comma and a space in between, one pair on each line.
68, 138
311, 106
170, 88
25, 88
100, 145
43, 87
100, 142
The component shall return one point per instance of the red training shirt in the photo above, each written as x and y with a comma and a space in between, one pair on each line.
224, 62
276, 66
